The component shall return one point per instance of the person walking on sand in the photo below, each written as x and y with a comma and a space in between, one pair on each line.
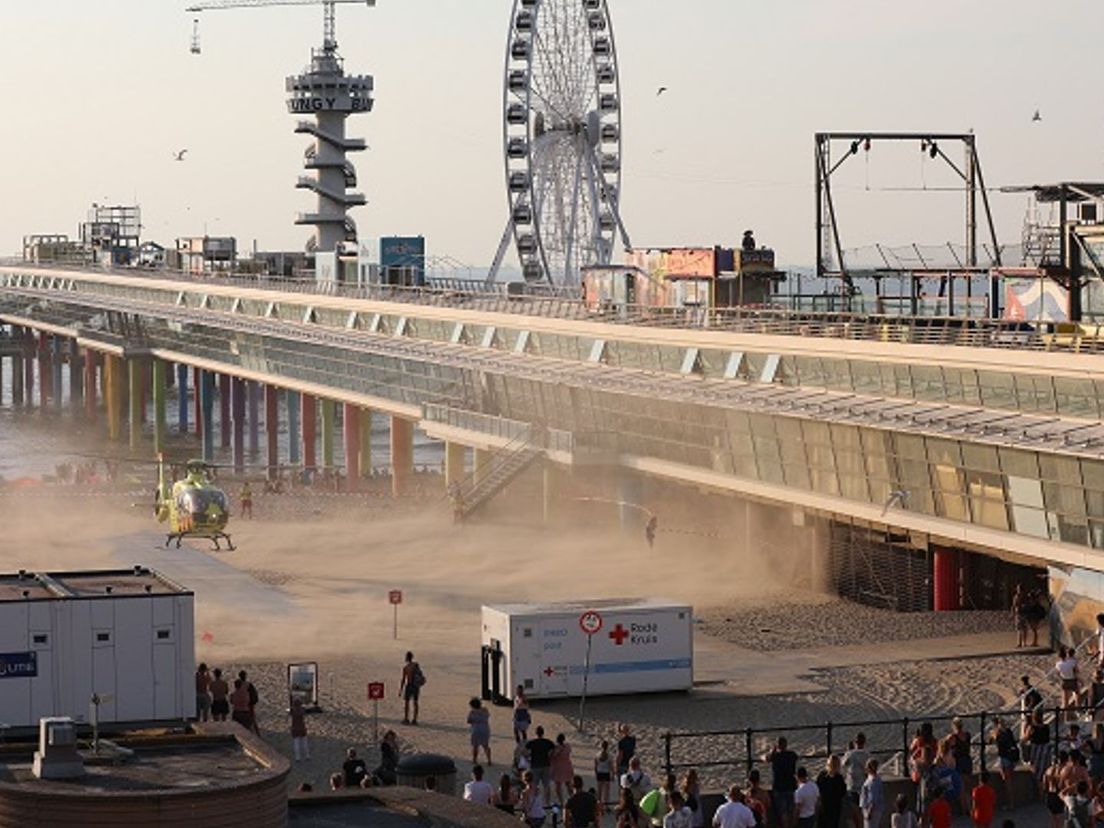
410, 686
479, 722
299, 747
220, 691
562, 768
203, 693
246, 500
603, 773
522, 716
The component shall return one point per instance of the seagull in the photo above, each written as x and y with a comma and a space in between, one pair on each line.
897, 497
179, 156
1037, 117
661, 90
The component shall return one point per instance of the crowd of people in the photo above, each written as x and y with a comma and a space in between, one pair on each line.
217, 699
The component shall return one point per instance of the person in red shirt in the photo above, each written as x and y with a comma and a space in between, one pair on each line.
985, 802
939, 813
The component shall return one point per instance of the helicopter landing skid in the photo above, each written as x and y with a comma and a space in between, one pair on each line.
215, 538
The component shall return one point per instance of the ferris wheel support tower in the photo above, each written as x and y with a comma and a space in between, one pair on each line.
324, 97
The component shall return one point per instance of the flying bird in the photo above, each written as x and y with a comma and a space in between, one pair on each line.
1037, 116
661, 90
896, 498
179, 156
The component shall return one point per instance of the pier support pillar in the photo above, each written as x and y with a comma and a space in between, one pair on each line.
159, 383
76, 375
402, 455
182, 398
134, 375
272, 429
366, 442
29, 365
43, 371
328, 417
456, 455
197, 410
945, 580
226, 424
113, 394
481, 464
253, 400
90, 360
310, 435
350, 431
57, 357
237, 406
292, 400
205, 385
17, 381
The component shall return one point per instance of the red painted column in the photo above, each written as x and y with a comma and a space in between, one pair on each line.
90, 360
225, 424
351, 433
272, 429
945, 579
197, 406
309, 408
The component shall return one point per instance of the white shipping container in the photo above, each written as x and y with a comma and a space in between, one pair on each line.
126, 636
644, 646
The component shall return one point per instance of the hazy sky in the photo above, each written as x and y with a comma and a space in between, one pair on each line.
101, 92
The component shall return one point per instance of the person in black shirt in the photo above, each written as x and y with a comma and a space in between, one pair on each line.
833, 791
581, 809
354, 768
626, 749
387, 772
783, 762
540, 761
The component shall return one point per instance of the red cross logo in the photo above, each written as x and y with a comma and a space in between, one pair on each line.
619, 634
550, 671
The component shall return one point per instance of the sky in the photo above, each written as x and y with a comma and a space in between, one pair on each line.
102, 92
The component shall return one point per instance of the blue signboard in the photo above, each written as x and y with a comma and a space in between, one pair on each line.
18, 665
407, 253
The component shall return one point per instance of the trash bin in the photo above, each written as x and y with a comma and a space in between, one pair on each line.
413, 771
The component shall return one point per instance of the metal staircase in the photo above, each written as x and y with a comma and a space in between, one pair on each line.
484, 484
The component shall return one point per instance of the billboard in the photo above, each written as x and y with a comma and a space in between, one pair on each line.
402, 259
675, 262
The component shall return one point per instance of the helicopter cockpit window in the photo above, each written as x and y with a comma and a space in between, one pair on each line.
198, 501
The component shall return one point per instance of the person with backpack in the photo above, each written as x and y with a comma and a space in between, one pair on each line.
410, 687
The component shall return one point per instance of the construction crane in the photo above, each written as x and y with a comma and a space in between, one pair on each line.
329, 21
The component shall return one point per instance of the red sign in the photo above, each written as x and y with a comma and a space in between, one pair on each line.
395, 596
375, 691
619, 634
590, 622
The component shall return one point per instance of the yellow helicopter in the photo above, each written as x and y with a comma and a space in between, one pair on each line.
193, 506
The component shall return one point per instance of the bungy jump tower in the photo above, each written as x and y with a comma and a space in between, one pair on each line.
327, 93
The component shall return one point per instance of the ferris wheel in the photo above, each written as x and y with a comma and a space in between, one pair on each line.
561, 140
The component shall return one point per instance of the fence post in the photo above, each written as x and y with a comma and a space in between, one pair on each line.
905, 742
667, 751
828, 737
748, 747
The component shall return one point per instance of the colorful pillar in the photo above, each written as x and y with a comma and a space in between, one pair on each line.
237, 397
945, 580
159, 383
366, 442
76, 376
350, 431
272, 429
182, 398
206, 397
328, 417
113, 395
225, 424
56, 378
310, 434
134, 374
402, 455
43, 371
292, 400
90, 360
456, 455
197, 410
253, 397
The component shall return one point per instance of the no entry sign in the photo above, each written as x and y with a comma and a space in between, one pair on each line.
590, 622
375, 691
395, 596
